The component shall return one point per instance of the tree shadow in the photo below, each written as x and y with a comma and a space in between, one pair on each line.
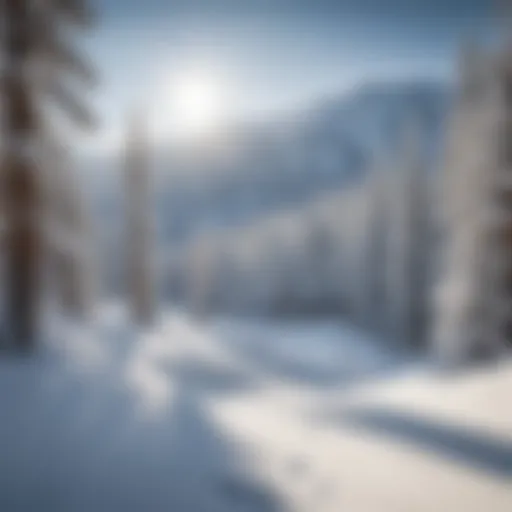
207, 378
476, 449
73, 441
344, 362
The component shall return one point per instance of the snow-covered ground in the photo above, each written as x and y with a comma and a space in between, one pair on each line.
227, 416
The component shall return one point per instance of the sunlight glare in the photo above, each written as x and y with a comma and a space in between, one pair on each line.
193, 105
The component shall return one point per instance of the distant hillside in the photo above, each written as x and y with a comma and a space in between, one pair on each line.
289, 162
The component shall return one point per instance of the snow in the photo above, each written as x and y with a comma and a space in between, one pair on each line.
224, 415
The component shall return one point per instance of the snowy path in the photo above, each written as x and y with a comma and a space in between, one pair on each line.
225, 417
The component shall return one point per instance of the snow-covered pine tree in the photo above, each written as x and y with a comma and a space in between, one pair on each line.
323, 258
408, 242
140, 237
375, 250
69, 243
498, 265
466, 294
32, 40
354, 233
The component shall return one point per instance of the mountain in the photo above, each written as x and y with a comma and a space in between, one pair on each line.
253, 171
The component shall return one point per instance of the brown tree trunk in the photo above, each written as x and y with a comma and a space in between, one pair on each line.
20, 187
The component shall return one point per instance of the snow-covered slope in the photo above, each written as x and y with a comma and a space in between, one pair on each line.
235, 417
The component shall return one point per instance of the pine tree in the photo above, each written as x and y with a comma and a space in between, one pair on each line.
466, 297
69, 244
498, 265
408, 243
375, 250
34, 55
140, 236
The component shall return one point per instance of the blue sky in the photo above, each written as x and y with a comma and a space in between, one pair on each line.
275, 54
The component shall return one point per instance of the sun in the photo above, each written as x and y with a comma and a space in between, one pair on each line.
192, 104
198, 103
